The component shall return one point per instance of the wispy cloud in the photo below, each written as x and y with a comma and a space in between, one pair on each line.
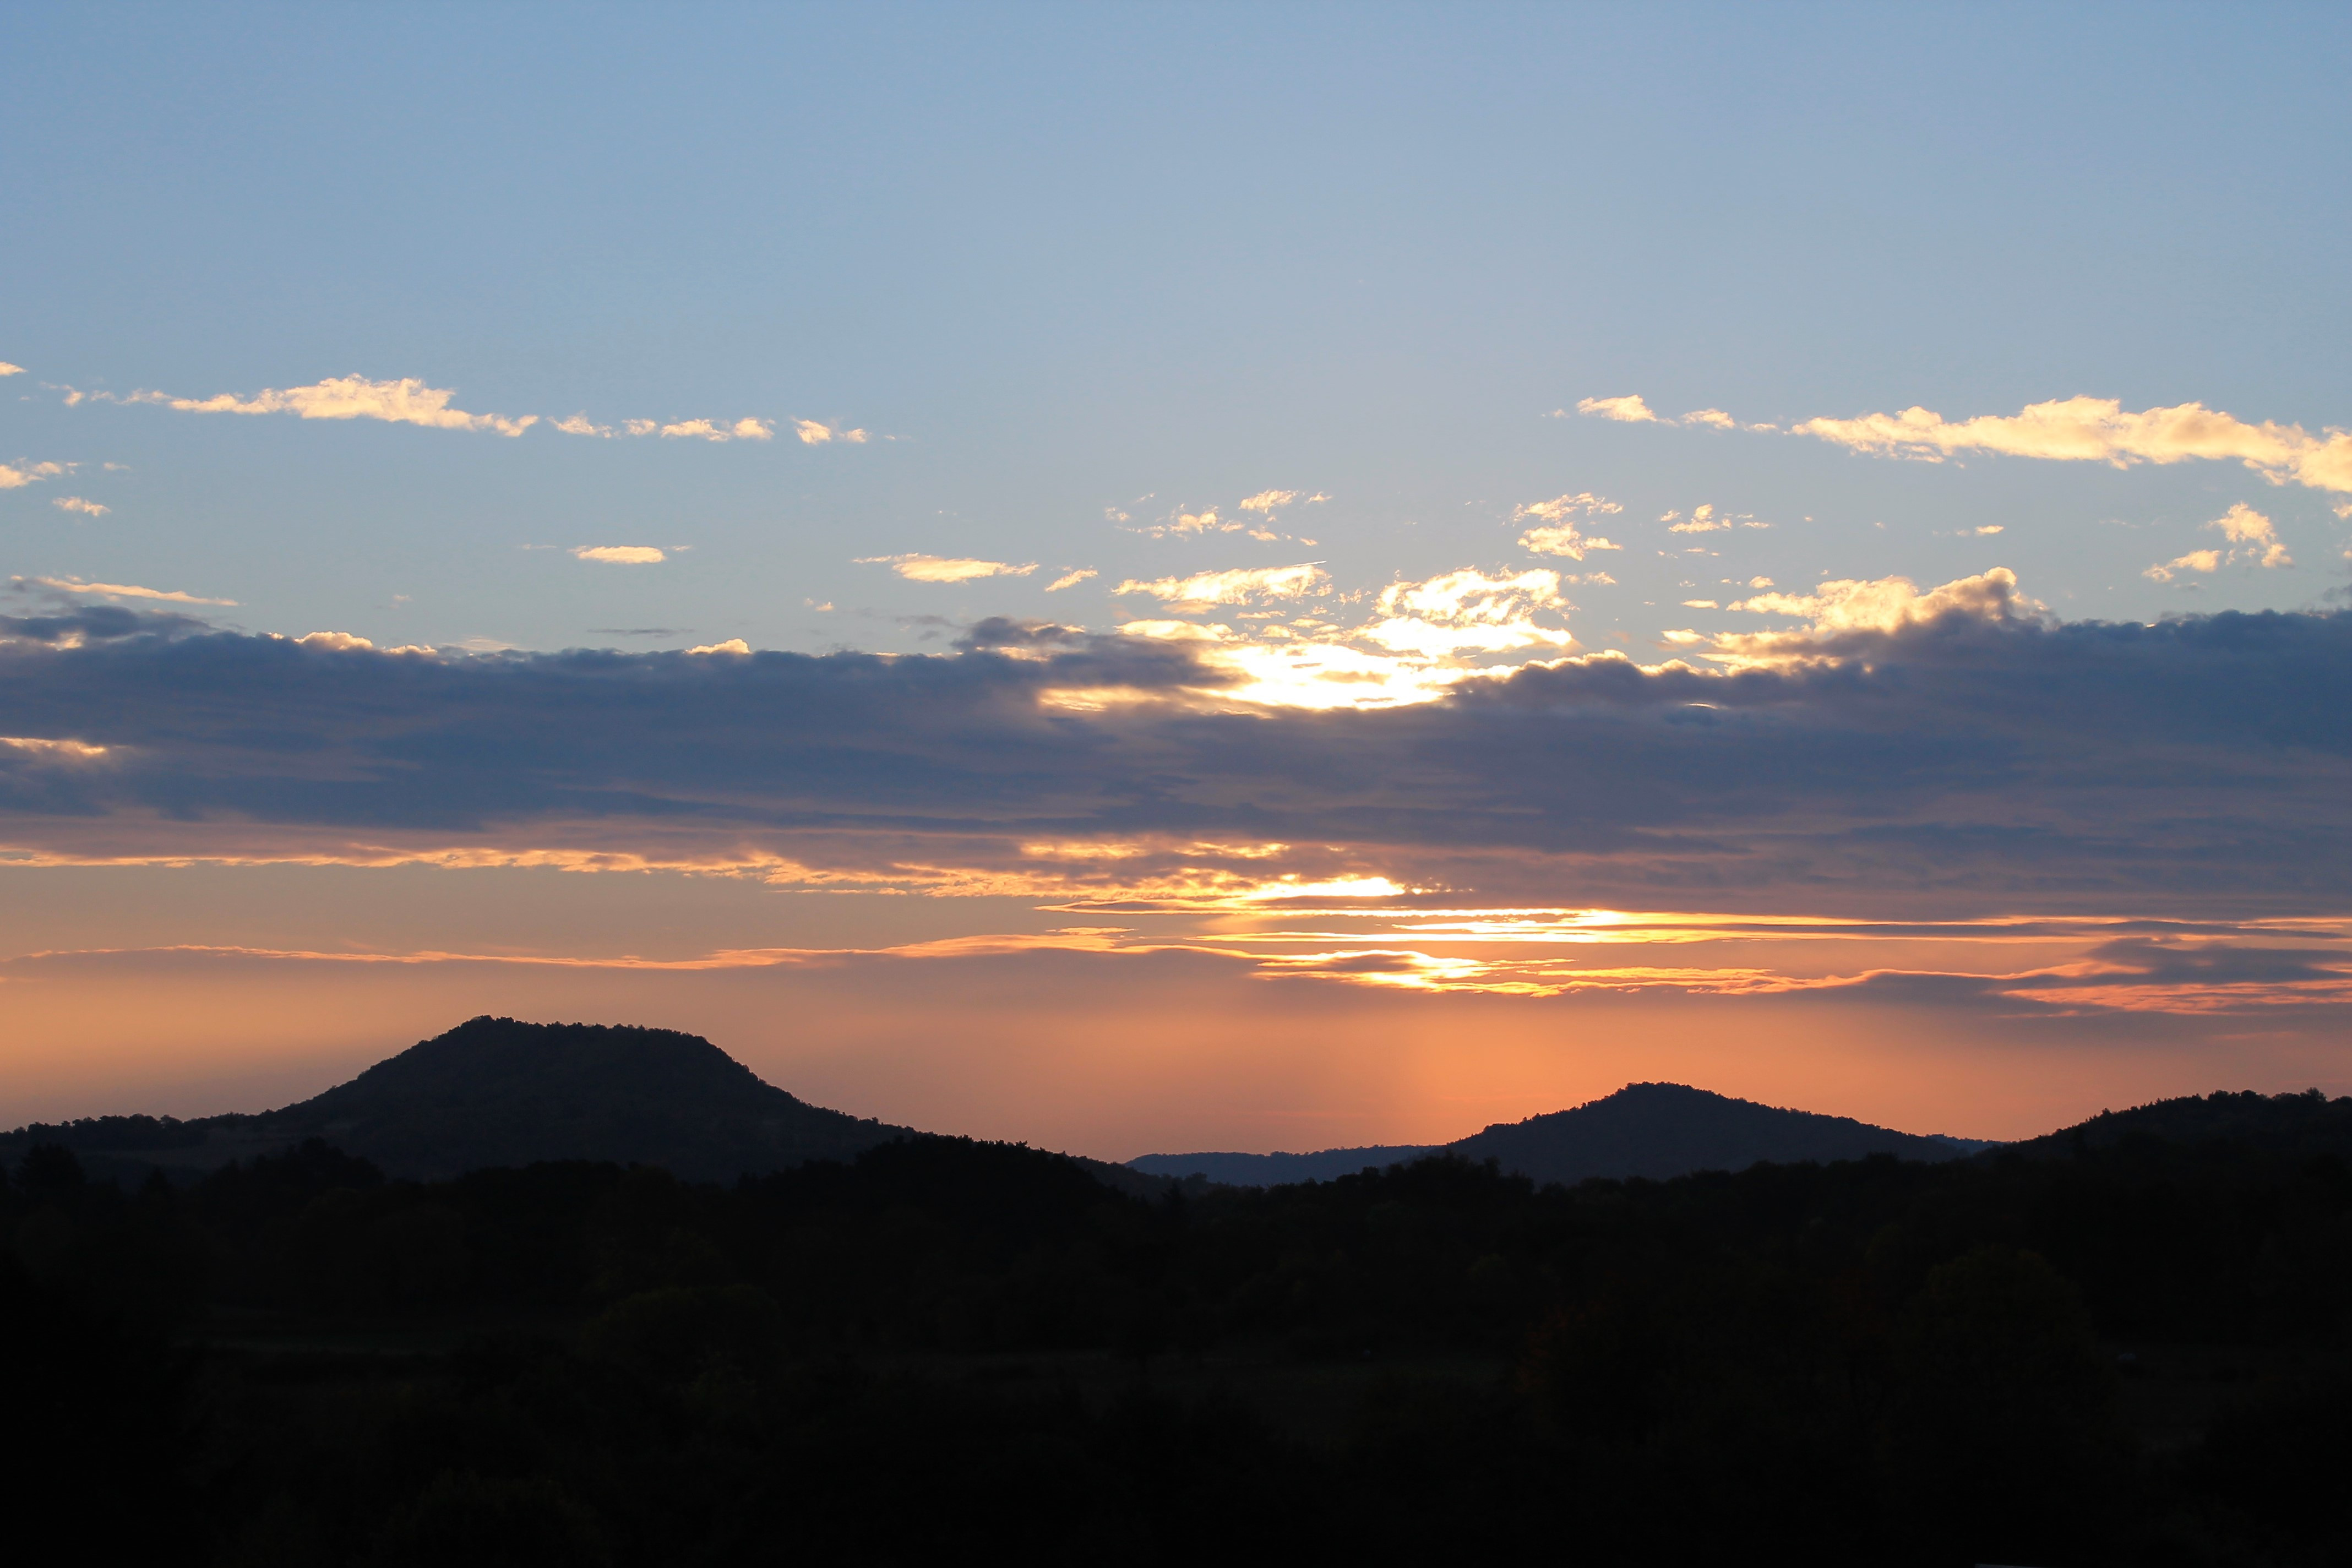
946, 568
75, 503
1244, 585
1266, 501
817, 433
18, 474
2098, 430
708, 430
620, 554
1558, 533
407, 401
7, 368
1631, 409
1705, 519
1071, 579
116, 590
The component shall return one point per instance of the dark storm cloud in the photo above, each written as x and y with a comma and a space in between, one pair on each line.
2020, 764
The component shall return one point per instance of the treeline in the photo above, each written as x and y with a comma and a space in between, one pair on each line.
2012, 1359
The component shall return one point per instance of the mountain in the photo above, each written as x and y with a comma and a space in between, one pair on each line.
1654, 1129
497, 1091
1662, 1130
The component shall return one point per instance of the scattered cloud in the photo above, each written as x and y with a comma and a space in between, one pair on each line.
1700, 604
1705, 519
2098, 430
1243, 585
620, 554
946, 569
1559, 534
817, 432
706, 430
2207, 560
407, 401
1469, 612
1266, 501
1631, 410
732, 645
2252, 537
1714, 417
115, 590
7, 368
2250, 534
75, 503
1070, 579
18, 474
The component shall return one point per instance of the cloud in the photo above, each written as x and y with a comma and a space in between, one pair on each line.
1562, 536
1943, 752
620, 554
1266, 501
75, 503
732, 645
2249, 533
2195, 561
1714, 417
1071, 579
946, 569
2252, 539
1469, 612
706, 430
815, 433
1244, 585
1705, 519
405, 401
1631, 410
18, 476
7, 368
114, 590
1839, 610
2097, 429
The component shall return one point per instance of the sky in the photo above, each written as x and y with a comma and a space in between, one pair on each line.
1158, 578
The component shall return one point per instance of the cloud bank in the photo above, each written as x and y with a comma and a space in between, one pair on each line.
1903, 750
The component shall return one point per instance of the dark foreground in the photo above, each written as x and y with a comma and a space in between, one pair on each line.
2133, 1354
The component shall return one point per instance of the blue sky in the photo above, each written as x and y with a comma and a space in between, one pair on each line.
1059, 261
985, 299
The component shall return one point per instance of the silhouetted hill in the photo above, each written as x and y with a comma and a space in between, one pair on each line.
1654, 1129
498, 1091
2285, 1126
1664, 1130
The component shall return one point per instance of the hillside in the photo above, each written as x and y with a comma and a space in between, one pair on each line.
1273, 1170
2284, 1126
498, 1091
1654, 1129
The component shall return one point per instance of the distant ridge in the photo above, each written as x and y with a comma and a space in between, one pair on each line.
1277, 1170
2287, 1126
1654, 1129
